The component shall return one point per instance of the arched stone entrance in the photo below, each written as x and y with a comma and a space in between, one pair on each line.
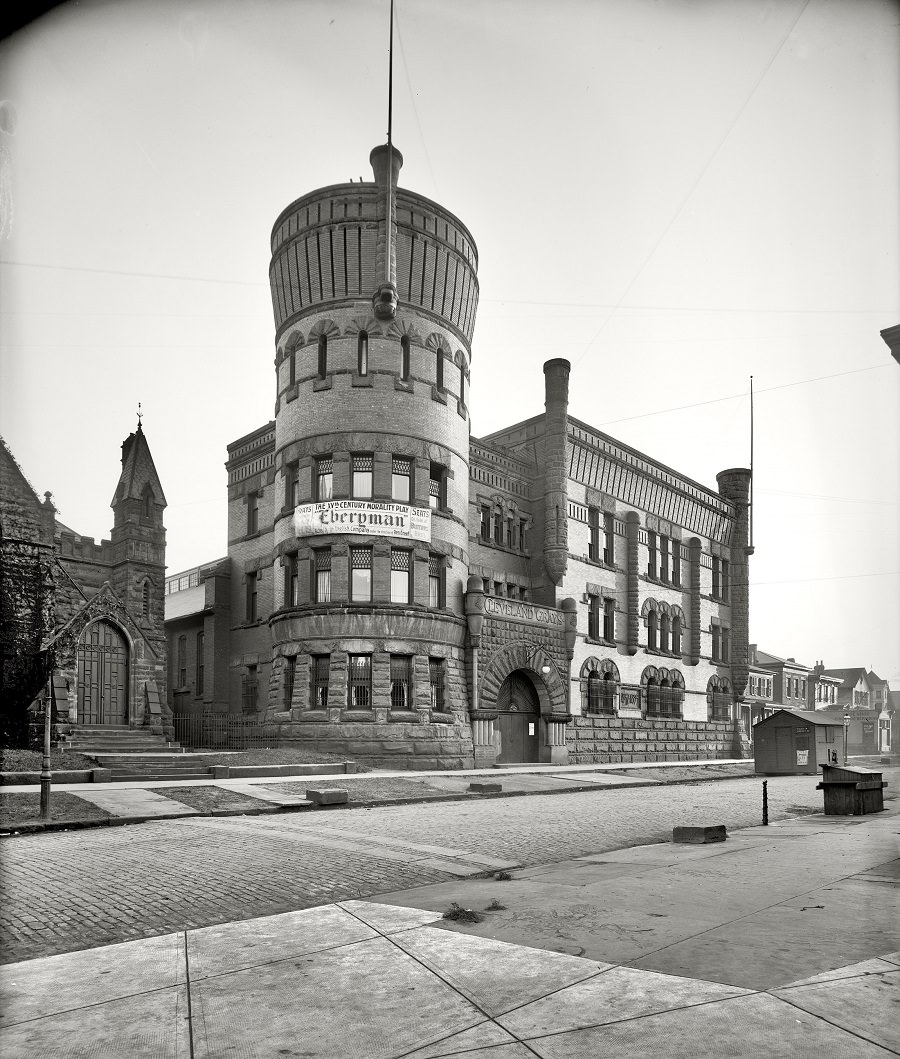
518, 719
102, 675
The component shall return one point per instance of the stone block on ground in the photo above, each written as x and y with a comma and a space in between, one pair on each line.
486, 788
326, 796
699, 835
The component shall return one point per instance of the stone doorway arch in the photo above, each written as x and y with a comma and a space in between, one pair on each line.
518, 719
103, 662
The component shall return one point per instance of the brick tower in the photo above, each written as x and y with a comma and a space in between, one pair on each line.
374, 291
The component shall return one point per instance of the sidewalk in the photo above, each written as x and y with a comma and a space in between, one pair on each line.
782, 941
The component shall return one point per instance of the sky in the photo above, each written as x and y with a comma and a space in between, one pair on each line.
674, 195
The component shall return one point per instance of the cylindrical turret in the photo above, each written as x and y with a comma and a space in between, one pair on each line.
374, 291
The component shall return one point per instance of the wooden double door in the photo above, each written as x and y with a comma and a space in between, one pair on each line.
518, 720
102, 675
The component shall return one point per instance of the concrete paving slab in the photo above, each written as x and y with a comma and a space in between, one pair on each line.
249, 943
610, 779
868, 1005
754, 1025
133, 802
263, 794
616, 994
494, 975
504, 1051
55, 984
389, 919
468, 1042
853, 970
357, 1002
151, 1025
783, 944
418, 847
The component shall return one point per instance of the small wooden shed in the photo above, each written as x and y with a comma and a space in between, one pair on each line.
797, 742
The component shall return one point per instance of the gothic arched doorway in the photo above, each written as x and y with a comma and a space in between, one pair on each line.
519, 720
102, 675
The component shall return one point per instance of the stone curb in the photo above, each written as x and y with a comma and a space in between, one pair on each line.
234, 772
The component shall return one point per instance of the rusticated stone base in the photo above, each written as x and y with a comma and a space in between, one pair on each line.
397, 745
602, 740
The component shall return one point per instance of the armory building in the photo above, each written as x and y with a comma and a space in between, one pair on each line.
400, 591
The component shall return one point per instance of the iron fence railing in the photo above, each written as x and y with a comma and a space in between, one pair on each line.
223, 732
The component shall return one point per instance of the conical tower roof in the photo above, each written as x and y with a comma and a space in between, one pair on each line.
138, 471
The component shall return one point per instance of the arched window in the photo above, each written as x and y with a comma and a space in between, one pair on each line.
362, 353
462, 386
664, 629
652, 624
439, 368
404, 358
323, 356
594, 692
718, 699
145, 599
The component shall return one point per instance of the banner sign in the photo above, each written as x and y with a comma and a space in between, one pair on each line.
368, 517
497, 607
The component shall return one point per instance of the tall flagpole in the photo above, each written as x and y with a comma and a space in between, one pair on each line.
388, 277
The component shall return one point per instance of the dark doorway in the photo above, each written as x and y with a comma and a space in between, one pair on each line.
102, 675
519, 720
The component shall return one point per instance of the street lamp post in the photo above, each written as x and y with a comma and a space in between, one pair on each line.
846, 734
45, 760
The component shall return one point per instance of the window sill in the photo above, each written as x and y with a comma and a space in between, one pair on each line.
405, 386
601, 563
438, 395
322, 384
403, 716
358, 715
361, 380
600, 641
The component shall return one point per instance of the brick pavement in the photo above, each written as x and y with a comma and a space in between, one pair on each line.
71, 890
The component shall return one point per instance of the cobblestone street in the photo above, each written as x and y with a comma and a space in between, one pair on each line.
78, 889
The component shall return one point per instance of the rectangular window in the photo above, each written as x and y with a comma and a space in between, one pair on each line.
498, 528
522, 527
401, 569
724, 579
292, 484
359, 683
250, 690
436, 683
485, 522
664, 558
322, 582
609, 619
593, 617
253, 513
510, 532
362, 477
361, 575
320, 666
724, 645
401, 682
198, 689
290, 676
401, 479
252, 597
291, 580
182, 661
716, 643
594, 533
676, 563
651, 557
436, 581
437, 487
609, 552
324, 478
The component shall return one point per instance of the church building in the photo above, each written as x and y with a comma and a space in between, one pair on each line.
82, 621
409, 595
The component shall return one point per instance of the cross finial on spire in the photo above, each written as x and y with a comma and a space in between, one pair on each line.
140, 415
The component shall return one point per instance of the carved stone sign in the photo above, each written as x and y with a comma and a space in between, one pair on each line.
629, 702
495, 607
367, 517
